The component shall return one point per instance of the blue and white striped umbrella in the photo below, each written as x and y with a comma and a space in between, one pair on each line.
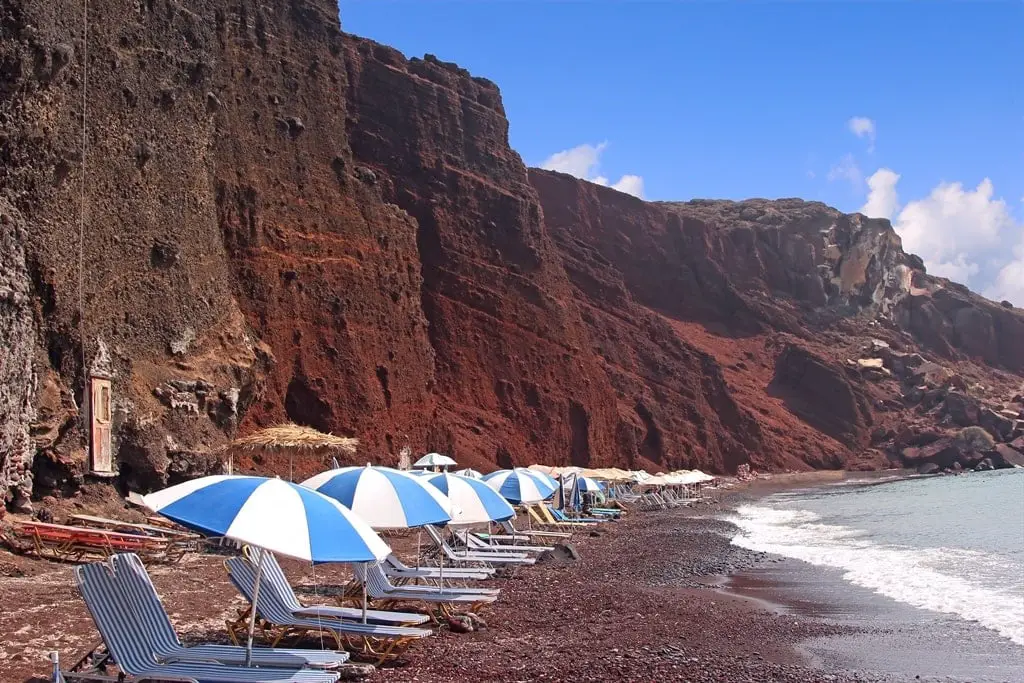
386, 498
273, 514
583, 484
471, 473
521, 485
544, 477
478, 503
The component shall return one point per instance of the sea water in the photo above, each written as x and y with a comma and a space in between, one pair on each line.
949, 544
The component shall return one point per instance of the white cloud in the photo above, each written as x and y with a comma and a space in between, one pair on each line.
579, 161
1009, 281
863, 127
583, 161
630, 184
882, 198
961, 234
847, 169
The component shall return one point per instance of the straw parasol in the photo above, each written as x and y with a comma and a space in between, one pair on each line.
291, 439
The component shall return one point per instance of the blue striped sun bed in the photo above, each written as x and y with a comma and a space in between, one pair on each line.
131, 578
273, 575
281, 622
128, 642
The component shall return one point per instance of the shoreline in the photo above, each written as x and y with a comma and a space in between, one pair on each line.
632, 609
654, 597
887, 636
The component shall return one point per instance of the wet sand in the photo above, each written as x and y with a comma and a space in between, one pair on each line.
885, 635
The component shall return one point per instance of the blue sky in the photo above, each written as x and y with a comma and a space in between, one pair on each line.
730, 100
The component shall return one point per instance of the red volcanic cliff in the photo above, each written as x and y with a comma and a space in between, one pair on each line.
271, 220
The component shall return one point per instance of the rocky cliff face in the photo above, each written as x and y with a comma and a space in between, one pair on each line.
267, 219
814, 318
17, 381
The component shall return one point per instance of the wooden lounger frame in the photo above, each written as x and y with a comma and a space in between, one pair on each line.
376, 650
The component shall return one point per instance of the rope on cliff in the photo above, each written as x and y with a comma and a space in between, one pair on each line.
84, 206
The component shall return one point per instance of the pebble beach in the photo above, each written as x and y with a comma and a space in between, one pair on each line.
641, 604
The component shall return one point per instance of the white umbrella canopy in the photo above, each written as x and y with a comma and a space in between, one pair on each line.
434, 460
471, 473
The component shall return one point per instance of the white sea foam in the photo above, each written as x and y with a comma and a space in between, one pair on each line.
974, 585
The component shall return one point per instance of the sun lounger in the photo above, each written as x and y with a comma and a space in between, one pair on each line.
131, 528
379, 575
443, 599
541, 517
560, 516
474, 542
377, 641
131, 578
74, 544
127, 642
545, 512
398, 571
508, 542
275, 576
508, 558
533, 533
607, 512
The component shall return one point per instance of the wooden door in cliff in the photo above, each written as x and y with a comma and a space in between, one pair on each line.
99, 412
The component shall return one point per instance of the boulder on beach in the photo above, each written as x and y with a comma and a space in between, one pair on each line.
1002, 456
560, 553
928, 468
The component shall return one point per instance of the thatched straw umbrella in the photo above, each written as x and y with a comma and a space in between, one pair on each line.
291, 439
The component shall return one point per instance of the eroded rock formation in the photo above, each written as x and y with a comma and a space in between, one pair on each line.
17, 374
268, 219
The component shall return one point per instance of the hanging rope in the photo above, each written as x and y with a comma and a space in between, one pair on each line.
82, 212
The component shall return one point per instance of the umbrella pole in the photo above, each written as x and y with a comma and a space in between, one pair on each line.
252, 614
366, 575
441, 556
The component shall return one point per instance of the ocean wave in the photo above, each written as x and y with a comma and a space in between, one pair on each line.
976, 586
